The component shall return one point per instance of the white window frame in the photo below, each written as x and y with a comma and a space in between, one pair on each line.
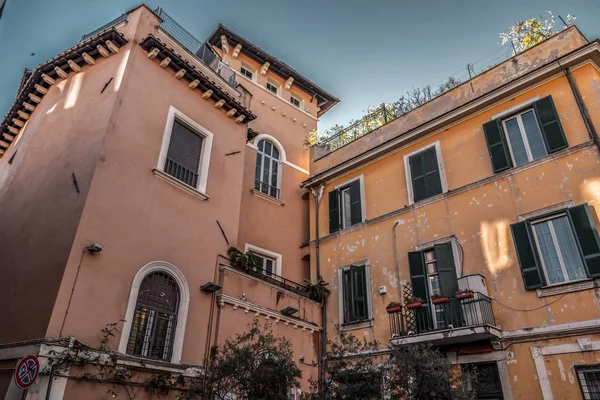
207, 136
281, 161
346, 326
363, 204
184, 301
267, 253
297, 98
249, 69
275, 85
442, 171
561, 260
518, 115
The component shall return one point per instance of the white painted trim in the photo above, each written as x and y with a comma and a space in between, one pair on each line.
357, 325
178, 184
408, 172
497, 356
249, 68
297, 168
184, 301
267, 312
363, 203
269, 138
516, 108
568, 287
544, 330
546, 210
275, 84
203, 165
278, 257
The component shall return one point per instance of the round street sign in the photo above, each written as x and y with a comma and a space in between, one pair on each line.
27, 371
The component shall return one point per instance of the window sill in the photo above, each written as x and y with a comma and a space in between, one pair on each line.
368, 323
177, 183
568, 287
267, 197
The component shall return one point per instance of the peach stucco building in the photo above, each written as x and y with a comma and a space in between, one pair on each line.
129, 164
482, 204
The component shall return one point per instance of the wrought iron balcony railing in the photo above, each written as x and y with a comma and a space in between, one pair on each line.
181, 173
274, 279
266, 188
454, 314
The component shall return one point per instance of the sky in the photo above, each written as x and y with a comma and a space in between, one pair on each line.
363, 52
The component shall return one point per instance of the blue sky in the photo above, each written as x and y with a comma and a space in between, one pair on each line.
364, 52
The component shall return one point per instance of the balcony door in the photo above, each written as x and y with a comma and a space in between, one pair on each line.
486, 382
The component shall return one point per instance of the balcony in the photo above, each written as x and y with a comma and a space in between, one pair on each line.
457, 321
273, 279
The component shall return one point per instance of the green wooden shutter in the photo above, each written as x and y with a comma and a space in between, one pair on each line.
497, 145
431, 167
334, 211
446, 268
587, 236
355, 203
417, 174
531, 269
417, 275
358, 293
552, 131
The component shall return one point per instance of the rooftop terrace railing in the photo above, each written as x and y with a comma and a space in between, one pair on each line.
120, 18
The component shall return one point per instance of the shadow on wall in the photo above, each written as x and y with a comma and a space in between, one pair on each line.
494, 243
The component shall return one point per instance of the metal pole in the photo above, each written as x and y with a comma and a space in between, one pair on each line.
318, 192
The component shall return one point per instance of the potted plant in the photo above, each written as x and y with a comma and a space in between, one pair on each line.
464, 294
393, 307
244, 261
439, 298
318, 291
414, 303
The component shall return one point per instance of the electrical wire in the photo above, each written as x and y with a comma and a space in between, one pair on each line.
531, 309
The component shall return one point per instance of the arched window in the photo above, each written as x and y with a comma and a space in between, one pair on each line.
154, 322
266, 177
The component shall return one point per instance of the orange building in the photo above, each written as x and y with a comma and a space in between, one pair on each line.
129, 164
478, 213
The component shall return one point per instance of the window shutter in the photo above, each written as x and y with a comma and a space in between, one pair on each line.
431, 167
587, 236
531, 269
358, 293
417, 274
446, 268
552, 130
184, 147
334, 211
497, 145
355, 203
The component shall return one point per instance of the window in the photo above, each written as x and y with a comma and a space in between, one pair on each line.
296, 101
558, 248
424, 173
589, 381
185, 151
266, 264
269, 263
525, 136
272, 87
266, 176
153, 326
355, 294
346, 205
433, 272
247, 72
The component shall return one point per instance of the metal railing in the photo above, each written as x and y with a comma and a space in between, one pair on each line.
365, 125
454, 314
200, 50
265, 188
120, 18
274, 279
181, 173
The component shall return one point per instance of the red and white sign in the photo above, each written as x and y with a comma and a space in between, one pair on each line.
27, 371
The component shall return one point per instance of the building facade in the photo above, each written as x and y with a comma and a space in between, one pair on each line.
478, 213
130, 163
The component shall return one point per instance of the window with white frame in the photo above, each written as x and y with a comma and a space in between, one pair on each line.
296, 100
346, 205
185, 150
425, 173
272, 87
247, 71
266, 176
589, 380
266, 264
524, 137
355, 300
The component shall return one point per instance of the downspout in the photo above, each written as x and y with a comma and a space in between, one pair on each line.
581, 105
396, 262
318, 192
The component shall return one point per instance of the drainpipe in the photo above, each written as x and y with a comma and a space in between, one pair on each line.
318, 192
581, 105
396, 262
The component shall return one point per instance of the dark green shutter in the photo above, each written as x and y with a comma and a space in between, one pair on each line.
417, 275
358, 293
355, 203
497, 145
587, 236
552, 130
334, 211
425, 174
446, 268
531, 269
418, 177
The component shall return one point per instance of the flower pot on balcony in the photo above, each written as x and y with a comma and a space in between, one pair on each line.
464, 294
440, 299
393, 308
414, 304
